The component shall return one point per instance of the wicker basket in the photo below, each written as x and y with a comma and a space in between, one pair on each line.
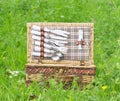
77, 62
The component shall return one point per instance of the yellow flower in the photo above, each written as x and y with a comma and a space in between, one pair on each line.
104, 87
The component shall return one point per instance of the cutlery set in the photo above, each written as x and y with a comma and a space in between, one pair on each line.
49, 43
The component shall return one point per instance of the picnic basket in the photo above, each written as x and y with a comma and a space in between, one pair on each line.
77, 62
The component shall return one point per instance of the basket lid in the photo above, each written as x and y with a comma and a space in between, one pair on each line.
60, 43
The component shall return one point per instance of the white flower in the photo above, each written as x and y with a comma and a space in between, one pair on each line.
13, 73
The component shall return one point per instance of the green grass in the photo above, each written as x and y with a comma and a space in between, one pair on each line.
14, 14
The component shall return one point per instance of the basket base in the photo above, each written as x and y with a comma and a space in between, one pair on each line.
38, 73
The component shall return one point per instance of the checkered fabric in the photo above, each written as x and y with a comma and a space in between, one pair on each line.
73, 52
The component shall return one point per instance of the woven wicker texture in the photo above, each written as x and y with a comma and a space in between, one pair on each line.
36, 72
60, 70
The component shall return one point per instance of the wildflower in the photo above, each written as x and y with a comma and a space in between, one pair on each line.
104, 87
13, 73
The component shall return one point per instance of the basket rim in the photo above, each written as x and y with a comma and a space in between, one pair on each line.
59, 65
62, 23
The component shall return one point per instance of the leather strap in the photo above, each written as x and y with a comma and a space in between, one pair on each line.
82, 42
42, 29
42, 43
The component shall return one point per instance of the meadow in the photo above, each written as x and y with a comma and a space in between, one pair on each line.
14, 14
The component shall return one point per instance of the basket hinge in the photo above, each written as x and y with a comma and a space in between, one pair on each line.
82, 63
